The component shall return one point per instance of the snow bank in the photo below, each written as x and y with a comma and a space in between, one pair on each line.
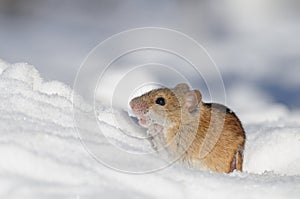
41, 156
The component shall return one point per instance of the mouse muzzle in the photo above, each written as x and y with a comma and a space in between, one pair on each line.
140, 109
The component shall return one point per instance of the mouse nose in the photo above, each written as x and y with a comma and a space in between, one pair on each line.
137, 106
132, 105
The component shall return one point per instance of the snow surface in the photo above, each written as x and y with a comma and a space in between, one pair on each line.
41, 155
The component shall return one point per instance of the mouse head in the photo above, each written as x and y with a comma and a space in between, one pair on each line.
164, 105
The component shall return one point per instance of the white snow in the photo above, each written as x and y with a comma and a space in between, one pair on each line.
41, 155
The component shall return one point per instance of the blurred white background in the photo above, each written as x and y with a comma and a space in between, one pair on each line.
254, 43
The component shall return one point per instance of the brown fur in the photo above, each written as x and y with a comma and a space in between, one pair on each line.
204, 135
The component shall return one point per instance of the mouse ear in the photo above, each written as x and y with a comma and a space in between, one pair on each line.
182, 87
192, 99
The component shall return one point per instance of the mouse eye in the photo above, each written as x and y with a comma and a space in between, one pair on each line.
161, 101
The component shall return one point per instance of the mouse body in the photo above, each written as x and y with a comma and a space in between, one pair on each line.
206, 136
